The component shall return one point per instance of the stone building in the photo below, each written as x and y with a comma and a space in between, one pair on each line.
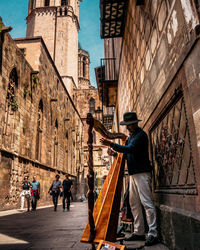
40, 125
86, 99
46, 96
41, 128
157, 75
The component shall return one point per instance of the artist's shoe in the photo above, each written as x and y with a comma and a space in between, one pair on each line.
67, 209
151, 240
63, 210
135, 237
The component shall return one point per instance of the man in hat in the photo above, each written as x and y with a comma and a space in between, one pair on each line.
139, 169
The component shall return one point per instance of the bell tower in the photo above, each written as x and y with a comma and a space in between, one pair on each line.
57, 21
83, 69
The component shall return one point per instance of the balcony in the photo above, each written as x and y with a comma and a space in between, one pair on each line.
113, 16
107, 81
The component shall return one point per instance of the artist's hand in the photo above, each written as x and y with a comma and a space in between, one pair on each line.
123, 137
105, 142
110, 152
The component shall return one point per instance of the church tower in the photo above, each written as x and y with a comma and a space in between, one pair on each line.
57, 21
83, 68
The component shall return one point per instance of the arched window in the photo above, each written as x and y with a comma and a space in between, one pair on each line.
55, 144
11, 104
38, 147
92, 105
46, 2
64, 2
84, 66
31, 4
66, 153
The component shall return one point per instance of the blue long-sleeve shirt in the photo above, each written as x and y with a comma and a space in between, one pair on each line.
136, 152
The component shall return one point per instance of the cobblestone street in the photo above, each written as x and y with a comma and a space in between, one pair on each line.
45, 229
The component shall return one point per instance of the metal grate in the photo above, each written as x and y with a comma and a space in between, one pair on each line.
172, 152
108, 121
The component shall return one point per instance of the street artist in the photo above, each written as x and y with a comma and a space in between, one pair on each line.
139, 169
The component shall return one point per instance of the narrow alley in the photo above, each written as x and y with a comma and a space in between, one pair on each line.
45, 229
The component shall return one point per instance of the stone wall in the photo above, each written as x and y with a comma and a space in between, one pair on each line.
159, 76
101, 161
40, 127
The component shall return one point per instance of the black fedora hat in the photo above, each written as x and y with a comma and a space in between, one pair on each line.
129, 118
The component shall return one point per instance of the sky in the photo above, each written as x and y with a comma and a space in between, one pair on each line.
13, 13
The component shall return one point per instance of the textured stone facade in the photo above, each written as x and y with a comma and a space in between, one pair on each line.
159, 79
86, 99
40, 129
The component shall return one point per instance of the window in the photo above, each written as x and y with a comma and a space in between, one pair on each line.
66, 152
39, 131
55, 150
84, 66
46, 2
92, 105
32, 4
23, 50
11, 104
64, 2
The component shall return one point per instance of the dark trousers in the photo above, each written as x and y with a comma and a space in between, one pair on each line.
66, 196
34, 201
55, 199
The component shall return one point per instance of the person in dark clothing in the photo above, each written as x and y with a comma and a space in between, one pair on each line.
67, 187
55, 189
139, 169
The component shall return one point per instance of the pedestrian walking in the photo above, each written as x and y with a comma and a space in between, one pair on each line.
67, 187
139, 169
55, 191
25, 194
35, 192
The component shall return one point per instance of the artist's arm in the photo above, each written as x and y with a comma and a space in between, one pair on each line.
138, 140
